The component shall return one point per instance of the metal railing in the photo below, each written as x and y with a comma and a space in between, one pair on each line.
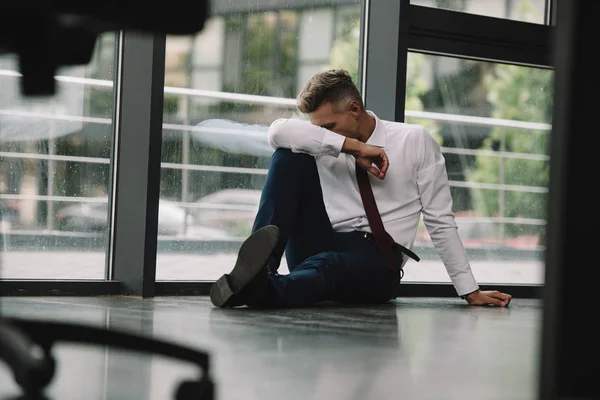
186, 128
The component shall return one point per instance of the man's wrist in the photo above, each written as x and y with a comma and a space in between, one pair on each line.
466, 296
352, 146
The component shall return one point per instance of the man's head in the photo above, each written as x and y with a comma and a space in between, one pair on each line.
330, 99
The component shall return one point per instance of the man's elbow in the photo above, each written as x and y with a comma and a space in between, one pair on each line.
275, 134
439, 224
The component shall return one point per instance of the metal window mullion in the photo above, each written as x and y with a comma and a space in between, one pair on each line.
384, 65
137, 159
108, 269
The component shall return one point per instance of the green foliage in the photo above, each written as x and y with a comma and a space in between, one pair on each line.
416, 87
518, 94
100, 102
270, 55
171, 103
344, 54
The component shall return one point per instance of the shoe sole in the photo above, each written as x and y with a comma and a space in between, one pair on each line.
253, 257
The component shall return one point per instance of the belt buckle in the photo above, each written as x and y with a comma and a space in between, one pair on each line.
366, 235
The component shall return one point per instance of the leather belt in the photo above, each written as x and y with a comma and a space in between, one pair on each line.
403, 249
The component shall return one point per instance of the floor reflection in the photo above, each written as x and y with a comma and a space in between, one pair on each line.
417, 349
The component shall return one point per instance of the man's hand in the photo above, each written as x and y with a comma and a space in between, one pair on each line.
488, 297
371, 158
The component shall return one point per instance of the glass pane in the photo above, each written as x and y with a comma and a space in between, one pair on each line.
493, 123
244, 71
54, 171
534, 11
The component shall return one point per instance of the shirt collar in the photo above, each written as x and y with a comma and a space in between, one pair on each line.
377, 138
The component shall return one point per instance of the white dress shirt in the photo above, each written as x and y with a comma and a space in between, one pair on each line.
416, 182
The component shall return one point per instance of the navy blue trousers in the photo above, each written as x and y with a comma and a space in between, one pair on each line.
324, 265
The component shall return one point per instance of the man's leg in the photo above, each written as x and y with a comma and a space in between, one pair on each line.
292, 212
292, 200
324, 265
353, 273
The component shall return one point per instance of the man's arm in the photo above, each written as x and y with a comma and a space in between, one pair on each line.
303, 137
436, 201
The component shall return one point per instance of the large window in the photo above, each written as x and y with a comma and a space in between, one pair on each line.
493, 123
224, 86
54, 171
222, 90
534, 11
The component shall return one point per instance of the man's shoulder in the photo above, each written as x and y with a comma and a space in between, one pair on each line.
410, 131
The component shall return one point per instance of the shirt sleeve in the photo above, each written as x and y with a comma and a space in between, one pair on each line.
303, 137
436, 201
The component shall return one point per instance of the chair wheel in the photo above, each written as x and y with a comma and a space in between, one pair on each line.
196, 390
37, 396
33, 379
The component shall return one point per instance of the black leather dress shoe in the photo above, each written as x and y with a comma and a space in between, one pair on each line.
251, 264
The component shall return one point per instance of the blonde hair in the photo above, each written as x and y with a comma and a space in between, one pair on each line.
331, 86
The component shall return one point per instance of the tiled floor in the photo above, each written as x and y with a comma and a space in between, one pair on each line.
411, 349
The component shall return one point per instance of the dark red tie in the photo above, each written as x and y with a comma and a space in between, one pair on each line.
384, 242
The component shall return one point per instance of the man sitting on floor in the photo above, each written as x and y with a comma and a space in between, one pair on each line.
315, 207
